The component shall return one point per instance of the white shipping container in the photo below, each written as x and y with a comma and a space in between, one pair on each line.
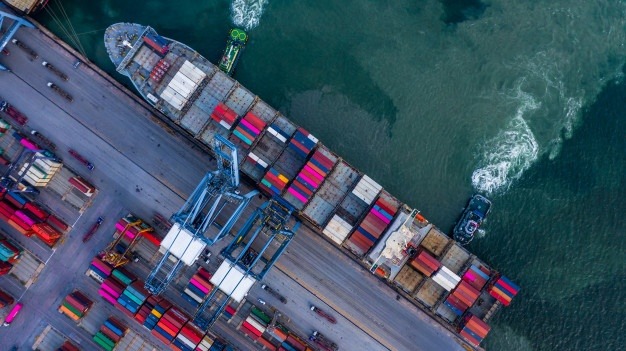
193, 295
446, 278
367, 189
34, 181
180, 88
256, 324
48, 167
152, 98
185, 341
337, 229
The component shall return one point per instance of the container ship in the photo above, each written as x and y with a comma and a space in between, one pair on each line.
341, 203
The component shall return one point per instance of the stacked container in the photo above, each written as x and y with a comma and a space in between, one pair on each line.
278, 334
249, 128
503, 290
75, 305
99, 270
159, 70
5, 299
229, 312
169, 325
8, 252
68, 346
473, 330
269, 147
446, 278
293, 343
160, 307
47, 233
205, 344
273, 182
198, 288
375, 222
144, 311
425, 263
5, 268
41, 170
255, 324
477, 276
189, 337
57, 223
223, 115
462, 298
82, 185
111, 289
310, 177
132, 298
110, 333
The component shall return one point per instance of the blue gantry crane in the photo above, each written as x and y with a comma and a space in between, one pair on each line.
195, 224
17, 23
249, 256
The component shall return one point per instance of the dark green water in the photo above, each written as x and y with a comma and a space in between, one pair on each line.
522, 100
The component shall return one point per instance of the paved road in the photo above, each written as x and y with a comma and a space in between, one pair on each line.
132, 152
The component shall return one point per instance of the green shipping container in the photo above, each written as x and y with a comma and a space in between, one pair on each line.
257, 312
72, 308
103, 342
122, 277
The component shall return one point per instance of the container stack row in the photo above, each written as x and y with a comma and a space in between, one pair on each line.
159, 307
132, 298
188, 338
425, 263
223, 115
474, 330
374, 224
114, 285
30, 219
170, 325
249, 128
289, 162
255, 324
75, 305
99, 270
310, 177
504, 290
198, 288
5, 299
462, 298
82, 185
40, 172
68, 346
9, 254
110, 333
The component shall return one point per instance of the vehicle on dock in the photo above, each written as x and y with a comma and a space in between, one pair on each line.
60, 91
320, 340
12, 314
43, 140
55, 70
26, 48
6, 52
16, 115
323, 314
82, 160
274, 293
235, 44
93, 229
471, 219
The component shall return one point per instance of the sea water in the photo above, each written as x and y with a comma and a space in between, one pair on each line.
523, 101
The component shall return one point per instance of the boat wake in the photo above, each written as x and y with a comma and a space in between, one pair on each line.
510, 153
247, 13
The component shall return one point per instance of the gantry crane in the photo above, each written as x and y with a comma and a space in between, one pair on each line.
118, 257
192, 223
244, 255
13, 177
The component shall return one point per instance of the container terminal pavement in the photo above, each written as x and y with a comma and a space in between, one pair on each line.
144, 166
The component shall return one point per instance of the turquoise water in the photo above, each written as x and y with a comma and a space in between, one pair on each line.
521, 100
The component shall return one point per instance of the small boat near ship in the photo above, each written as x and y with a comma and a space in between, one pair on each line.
471, 219
235, 44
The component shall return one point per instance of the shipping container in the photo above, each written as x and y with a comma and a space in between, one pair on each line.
269, 147
425, 263
322, 206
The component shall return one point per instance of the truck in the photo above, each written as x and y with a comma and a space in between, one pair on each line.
93, 229
274, 293
320, 340
323, 314
81, 159
60, 91
26, 48
55, 70
16, 115
43, 139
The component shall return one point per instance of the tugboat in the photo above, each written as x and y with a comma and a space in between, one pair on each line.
473, 215
237, 40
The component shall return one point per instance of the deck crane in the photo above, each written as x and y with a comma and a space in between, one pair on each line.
195, 224
117, 256
245, 257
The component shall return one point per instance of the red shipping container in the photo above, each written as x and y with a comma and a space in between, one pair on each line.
57, 223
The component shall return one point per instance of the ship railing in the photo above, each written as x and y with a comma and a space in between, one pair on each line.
131, 53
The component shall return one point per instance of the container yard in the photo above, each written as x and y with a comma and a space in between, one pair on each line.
346, 207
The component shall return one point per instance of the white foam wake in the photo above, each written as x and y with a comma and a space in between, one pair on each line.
247, 13
510, 153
